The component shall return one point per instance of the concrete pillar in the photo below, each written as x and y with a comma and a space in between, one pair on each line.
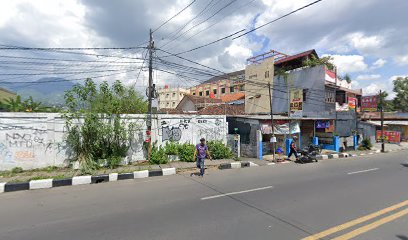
336, 143
355, 142
259, 144
315, 141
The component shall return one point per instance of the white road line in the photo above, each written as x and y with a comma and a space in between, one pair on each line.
362, 171
234, 193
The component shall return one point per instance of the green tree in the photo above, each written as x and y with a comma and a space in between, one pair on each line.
13, 104
97, 133
315, 61
387, 104
401, 90
347, 78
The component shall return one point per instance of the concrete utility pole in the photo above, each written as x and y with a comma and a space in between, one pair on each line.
382, 122
150, 93
273, 130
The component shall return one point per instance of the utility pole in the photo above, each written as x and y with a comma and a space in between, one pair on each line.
150, 93
273, 130
382, 122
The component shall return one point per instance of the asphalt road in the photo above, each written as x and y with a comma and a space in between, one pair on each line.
285, 201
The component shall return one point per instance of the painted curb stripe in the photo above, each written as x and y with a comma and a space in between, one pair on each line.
11, 187
125, 176
62, 182
155, 173
40, 184
99, 179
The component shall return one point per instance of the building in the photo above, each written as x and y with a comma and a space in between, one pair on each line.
169, 98
191, 104
219, 86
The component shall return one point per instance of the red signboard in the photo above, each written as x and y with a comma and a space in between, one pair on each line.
352, 102
369, 104
389, 136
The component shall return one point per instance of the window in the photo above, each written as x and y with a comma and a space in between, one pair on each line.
267, 74
201, 94
305, 95
174, 104
222, 90
174, 94
167, 95
167, 104
242, 88
207, 93
330, 97
215, 91
232, 89
193, 93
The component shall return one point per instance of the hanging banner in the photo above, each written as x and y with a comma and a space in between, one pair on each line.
286, 128
389, 136
352, 102
369, 104
296, 103
342, 108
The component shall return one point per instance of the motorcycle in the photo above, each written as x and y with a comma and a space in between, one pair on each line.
309, 154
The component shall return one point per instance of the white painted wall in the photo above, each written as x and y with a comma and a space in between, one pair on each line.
36, 140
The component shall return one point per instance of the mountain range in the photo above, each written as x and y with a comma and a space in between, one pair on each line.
49, 91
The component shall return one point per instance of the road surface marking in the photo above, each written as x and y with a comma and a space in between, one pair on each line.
234, 193
355, 221
362, 171
373, 225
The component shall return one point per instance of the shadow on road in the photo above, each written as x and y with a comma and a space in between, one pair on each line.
405, 165
401, 236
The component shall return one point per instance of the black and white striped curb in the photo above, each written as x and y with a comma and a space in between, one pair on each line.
81, 180
346, 155
237, 165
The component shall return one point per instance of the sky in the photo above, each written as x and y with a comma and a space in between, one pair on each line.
367, 39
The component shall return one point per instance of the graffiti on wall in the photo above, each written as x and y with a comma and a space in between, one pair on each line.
174, 131
212, 130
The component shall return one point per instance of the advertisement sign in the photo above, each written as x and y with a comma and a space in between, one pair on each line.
352, 102
389, 136
286, 128
342, 108
296, 103
369, 104
322, 124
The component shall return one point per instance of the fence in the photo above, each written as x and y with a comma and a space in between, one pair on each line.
35, 140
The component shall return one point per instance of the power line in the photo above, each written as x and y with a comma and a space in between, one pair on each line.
205, 20
182, 10
226, 37
290, 13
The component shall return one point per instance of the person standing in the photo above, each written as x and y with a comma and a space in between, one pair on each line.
201, 152
293, 149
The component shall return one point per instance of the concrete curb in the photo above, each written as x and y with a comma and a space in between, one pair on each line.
81, 180
234, 165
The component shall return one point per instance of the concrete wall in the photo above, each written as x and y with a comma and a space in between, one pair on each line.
256, 92
310, 79
36, 140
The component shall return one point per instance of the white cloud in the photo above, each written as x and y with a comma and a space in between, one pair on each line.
368, 77
349, 63
366, 44
373, 88
401, 60
379, 63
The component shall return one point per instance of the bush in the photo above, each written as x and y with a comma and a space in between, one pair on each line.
158, 155
171, 148
114, 161
366, 144
186, 152
219, 150
17, 170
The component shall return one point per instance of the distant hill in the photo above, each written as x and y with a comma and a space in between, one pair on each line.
50, 90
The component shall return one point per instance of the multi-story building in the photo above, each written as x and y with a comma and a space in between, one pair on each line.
222, 85
170, 97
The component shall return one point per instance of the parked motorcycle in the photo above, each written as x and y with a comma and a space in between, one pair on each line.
309, 154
